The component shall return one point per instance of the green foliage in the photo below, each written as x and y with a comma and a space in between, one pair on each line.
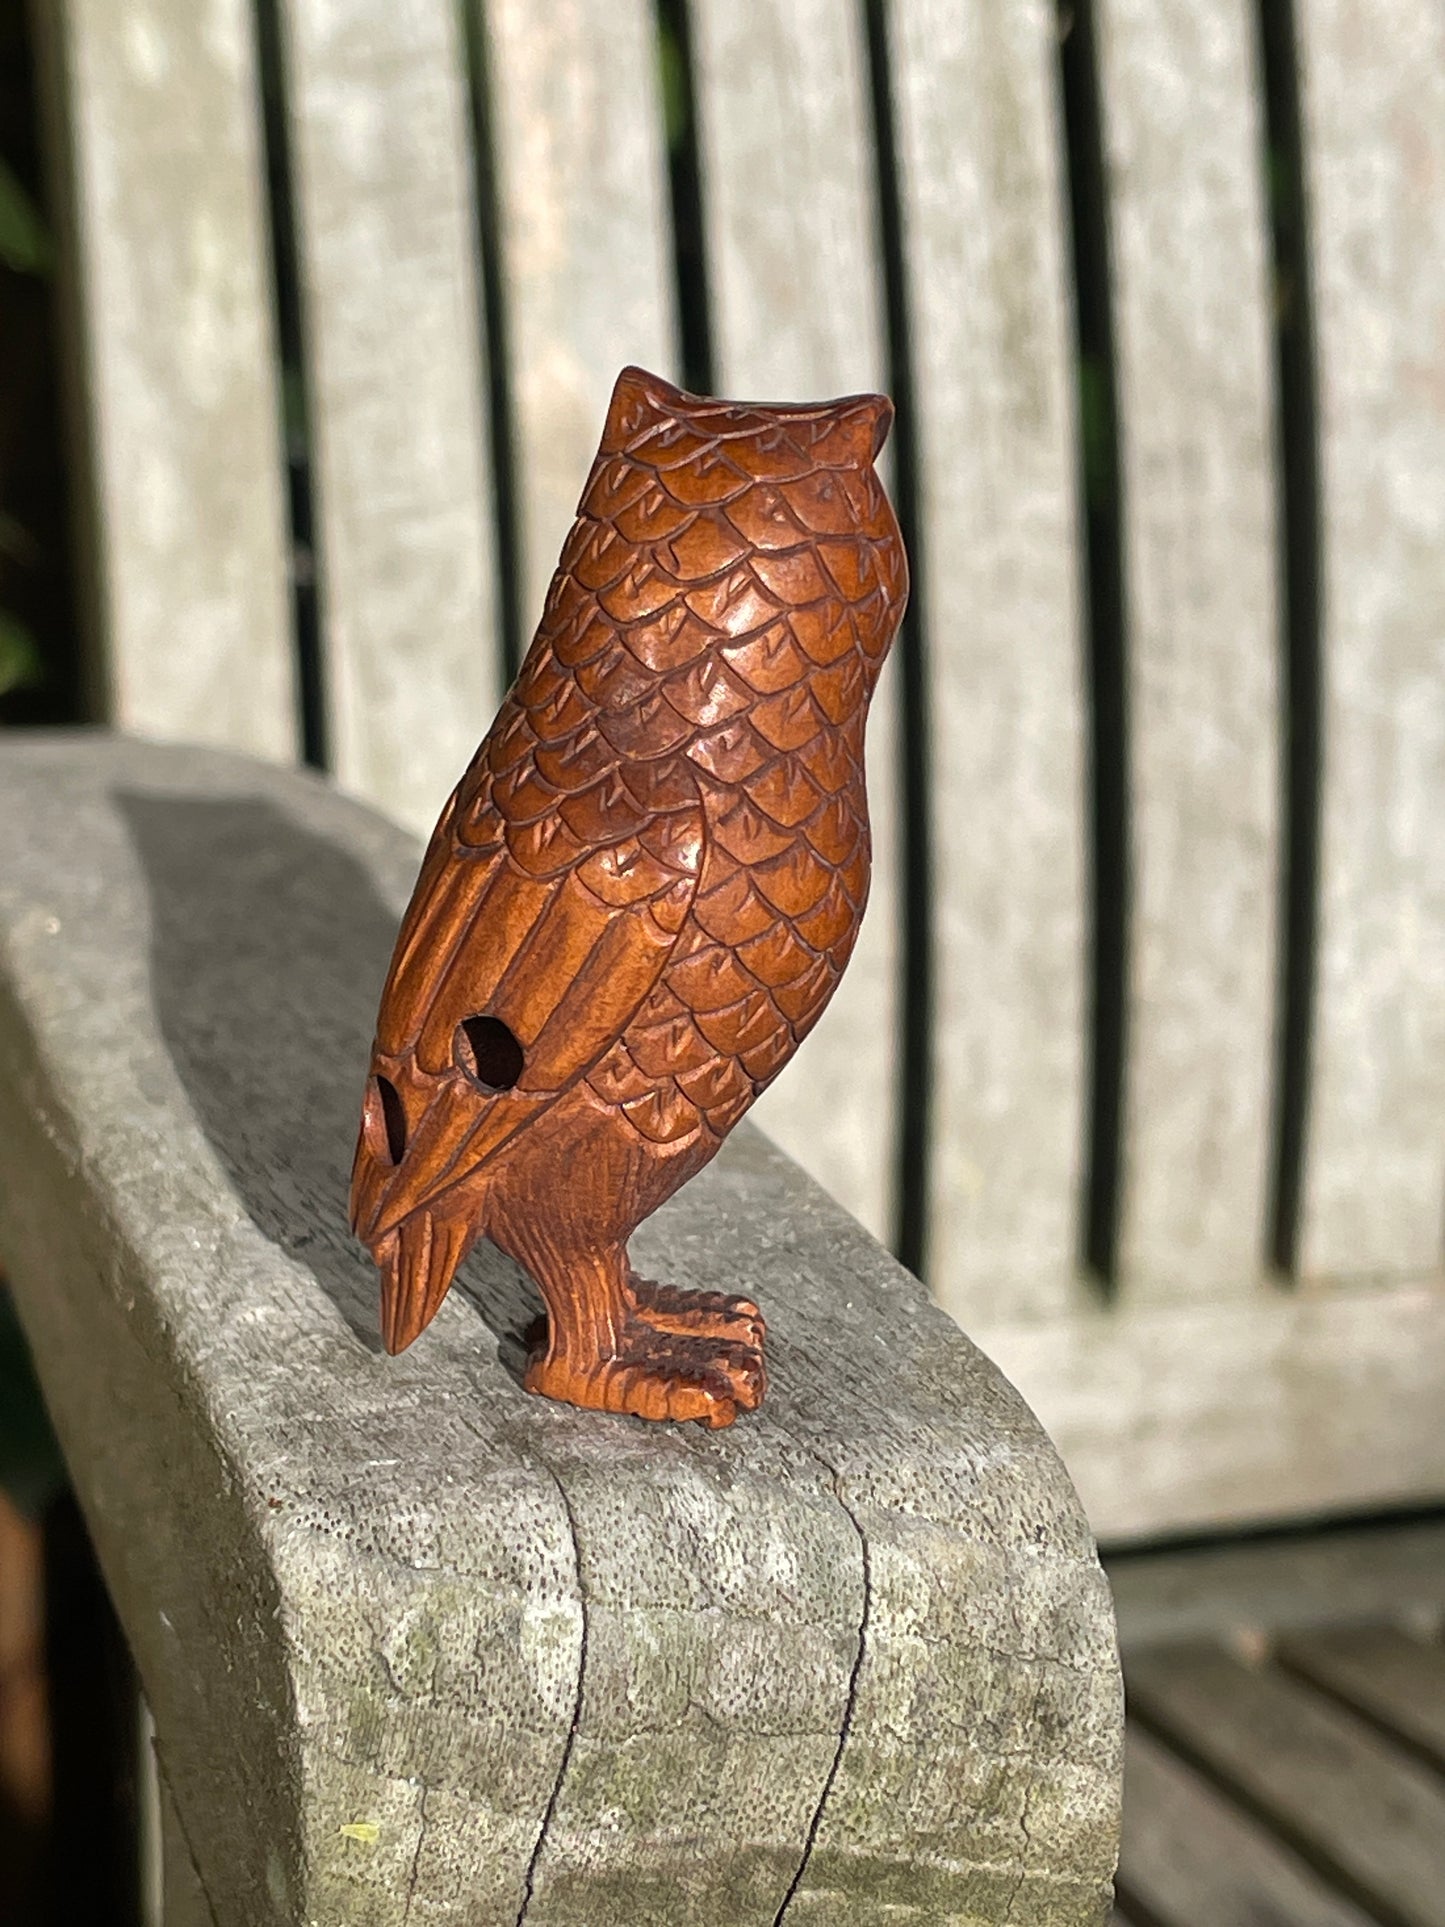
1094, 425
674, 85
24, 239
31, 1469
19, 654
25, 248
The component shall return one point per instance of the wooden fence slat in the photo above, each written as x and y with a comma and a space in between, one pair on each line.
1178, 1417
388, 262
786, 156
1298, 1581
161, 144
1319, 1773
1194, 1860
1395, 1679
577, 132
794, 268
1373, 112
1191, 293
983, 226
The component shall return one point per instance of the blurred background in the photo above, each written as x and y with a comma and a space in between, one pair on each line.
48, 1581
307, 320
39, 670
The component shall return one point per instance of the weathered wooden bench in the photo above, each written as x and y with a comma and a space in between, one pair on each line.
1141, 1063
1150, 993
420, 1647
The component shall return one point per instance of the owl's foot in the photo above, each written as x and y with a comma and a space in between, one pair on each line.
658, 1375
697, 1314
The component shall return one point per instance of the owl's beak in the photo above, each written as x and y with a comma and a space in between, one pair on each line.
397, 1177
418, 1261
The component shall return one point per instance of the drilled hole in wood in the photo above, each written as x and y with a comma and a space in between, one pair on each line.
386, 1121
488, 1052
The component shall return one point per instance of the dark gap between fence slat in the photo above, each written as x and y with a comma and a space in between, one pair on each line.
47, 573
295, 386
495, 327
1105, 637
1300, 647
915, 1067
684, 180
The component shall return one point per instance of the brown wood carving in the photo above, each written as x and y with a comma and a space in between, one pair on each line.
644, 890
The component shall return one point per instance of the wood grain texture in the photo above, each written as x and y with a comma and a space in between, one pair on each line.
1393, 1678
1191, 314
982, 214
1373, 107
793, 271
387, 225
1318, 1774
1193, 1859
576, 127
179, 379
1172, 1418
569, 1668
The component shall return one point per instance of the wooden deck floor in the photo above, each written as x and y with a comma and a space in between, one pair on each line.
1286, 1768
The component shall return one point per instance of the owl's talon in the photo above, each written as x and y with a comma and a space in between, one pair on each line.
659, 1376
697, 1314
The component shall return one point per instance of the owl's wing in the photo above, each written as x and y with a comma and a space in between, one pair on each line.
549, 900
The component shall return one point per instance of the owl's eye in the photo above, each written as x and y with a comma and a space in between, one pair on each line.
488, 1052
385, 1121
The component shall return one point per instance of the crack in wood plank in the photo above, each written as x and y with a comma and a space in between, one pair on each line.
849, 1703
416, 1856
551, 1809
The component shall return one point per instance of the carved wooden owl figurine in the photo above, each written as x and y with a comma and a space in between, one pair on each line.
644, 890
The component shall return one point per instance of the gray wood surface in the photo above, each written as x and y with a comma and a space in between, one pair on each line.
1195, 1416
1373, 87
1281, 1585
177, 366
1191, 290
793, 271
1383, 1672
785, 151
411, 650
422, 1648
587, 260
983, 214
1320, 1775
1192, 1859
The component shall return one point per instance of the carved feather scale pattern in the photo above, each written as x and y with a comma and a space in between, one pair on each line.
692, 662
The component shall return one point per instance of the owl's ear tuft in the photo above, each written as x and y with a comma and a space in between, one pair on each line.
859, 428
638, 400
